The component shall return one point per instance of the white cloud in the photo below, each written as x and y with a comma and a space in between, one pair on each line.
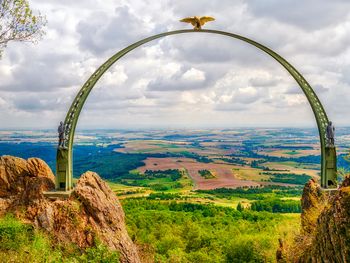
184, 80
194, 75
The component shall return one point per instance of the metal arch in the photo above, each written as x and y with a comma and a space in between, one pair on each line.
65, 154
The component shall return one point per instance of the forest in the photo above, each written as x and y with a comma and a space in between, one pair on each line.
186, 232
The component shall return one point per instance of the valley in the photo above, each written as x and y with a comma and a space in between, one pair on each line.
186, 192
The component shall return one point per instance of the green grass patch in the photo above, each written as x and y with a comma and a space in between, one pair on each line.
20, 242
166, 180
292, 152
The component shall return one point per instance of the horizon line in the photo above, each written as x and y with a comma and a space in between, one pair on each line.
172, 128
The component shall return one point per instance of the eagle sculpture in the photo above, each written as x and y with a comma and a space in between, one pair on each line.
197, 22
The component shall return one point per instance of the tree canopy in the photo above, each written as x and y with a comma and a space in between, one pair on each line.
19, 23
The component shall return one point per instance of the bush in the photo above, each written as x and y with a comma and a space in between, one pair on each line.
277, 206
22, 243
244, 250
99, 254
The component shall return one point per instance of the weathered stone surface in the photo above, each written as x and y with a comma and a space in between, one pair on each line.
331, 236
312, 202
325, 226
105, 211
24, 180
92, 213
12, 171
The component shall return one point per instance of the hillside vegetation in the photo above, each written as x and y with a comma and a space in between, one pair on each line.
170, 231
20, 242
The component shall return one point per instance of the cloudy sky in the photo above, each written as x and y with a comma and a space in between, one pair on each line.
183, 81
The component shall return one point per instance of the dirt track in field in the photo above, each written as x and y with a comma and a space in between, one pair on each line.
223, 172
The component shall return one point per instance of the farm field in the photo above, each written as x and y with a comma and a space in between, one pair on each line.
223, 173
185, 192
201, 159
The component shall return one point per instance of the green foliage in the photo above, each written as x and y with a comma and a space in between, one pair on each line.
173, 174
289, 178
235, 160
244, 249
277, 206
22, 243
255, 193
240, 208
187, 232
342, 173
12, 232
91, 158
156, 180
99, 254
206, 174
293, 152
18, 23
163, 196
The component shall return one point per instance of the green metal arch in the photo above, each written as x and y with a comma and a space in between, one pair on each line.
65, 154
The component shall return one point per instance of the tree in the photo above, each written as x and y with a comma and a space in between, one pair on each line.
19, 23
240, 207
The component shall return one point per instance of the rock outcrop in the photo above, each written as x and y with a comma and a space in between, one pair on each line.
92, 213
325, 226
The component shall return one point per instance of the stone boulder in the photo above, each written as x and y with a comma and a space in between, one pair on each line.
92, 213
325, 226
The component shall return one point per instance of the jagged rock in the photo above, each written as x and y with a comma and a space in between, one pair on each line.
312, 203
12, 171
92, 213
105, 212
26, 178
331, 237
325, 226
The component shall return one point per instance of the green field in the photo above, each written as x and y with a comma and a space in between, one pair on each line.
153, 175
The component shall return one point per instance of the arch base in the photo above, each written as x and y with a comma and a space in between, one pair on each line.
63, 174
330, 178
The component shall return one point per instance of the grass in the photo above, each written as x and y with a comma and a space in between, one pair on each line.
248, 173
20, 242
292, 153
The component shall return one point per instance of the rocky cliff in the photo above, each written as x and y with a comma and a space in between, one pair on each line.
325, 226
92, 213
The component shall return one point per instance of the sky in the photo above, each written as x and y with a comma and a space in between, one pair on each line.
183, 81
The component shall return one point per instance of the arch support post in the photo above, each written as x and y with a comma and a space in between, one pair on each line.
64, 174
329, 180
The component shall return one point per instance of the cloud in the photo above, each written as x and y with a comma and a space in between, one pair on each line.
264, 81
310, 15
42, 72
189, 79
101, 31
184, 79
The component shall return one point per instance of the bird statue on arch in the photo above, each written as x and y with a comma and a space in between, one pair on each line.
197, 22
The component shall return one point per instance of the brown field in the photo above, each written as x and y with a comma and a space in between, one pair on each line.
161, 146
286, 153
224, 172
